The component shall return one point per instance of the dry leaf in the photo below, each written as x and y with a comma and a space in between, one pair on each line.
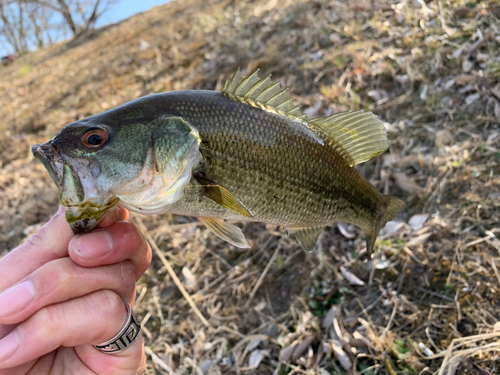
418, 240
205, 366
256, 357
286, 353
443, 137
189, 278
347, 230
350, 277
328, 319
199, 345
496, 327
391, 228
342, 356
405, 183
300, 348
417, 221
472, 98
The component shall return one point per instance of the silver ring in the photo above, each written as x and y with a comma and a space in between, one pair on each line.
123, 339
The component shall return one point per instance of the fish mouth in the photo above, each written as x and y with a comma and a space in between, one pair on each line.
84, 209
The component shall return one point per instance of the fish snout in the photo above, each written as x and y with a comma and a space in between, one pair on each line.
51, 158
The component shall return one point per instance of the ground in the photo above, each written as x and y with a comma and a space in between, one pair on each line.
427, 302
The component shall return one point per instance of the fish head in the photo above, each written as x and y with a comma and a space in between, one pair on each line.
103, 160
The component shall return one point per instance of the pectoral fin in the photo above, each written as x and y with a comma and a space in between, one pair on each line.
222, 196
306, 237
228, 232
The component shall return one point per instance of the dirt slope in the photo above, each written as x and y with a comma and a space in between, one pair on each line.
430, 71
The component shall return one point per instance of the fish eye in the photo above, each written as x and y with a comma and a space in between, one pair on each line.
94, 138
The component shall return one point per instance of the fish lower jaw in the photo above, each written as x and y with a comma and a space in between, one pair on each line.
86, 216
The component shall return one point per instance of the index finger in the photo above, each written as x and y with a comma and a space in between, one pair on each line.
49, 243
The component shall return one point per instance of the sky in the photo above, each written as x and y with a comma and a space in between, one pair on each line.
127, 8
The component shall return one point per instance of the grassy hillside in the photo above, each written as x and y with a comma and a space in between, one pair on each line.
430, 71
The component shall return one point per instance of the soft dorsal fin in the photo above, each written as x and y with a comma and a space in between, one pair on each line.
358, 136
306, 237
262, 93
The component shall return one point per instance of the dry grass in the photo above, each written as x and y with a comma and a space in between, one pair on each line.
429, 301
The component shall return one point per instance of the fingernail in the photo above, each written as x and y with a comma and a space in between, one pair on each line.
16, 298
8, 345
93, 245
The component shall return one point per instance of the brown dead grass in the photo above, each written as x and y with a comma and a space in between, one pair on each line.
428, 302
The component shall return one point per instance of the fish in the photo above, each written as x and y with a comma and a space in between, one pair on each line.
245, 153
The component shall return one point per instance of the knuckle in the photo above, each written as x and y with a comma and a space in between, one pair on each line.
110, 304
54, 277
52, 318
65, 271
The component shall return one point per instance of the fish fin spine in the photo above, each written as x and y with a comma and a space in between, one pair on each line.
262, 93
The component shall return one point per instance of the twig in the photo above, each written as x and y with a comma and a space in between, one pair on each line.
434, 293
171, 271
159, 361
261, 278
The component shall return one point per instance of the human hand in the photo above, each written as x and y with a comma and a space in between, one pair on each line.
61, 293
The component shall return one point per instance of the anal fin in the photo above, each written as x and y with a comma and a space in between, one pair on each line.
228, 232
306, 237
222, 196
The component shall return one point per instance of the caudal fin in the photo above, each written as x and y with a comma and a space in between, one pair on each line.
394, 207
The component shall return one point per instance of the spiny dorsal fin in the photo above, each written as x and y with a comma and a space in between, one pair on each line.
358, 136
306, 237
262, 93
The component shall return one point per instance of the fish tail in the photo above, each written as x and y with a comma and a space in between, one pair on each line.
393, 207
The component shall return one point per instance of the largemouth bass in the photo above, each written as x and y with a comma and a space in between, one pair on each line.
243, 154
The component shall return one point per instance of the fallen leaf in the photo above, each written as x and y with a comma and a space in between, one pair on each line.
328, 319
496, 327
347, 230
472, 98
189, 278
391, 228
286, 353
205, 366
341, 356
443, 137
467, 66
256, 357
300, 348
253, 344
417, 221
418, 240
350, 277
405, 183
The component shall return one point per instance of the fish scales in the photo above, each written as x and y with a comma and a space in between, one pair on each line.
245, 154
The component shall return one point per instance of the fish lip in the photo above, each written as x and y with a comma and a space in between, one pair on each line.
51, 158
85, 217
